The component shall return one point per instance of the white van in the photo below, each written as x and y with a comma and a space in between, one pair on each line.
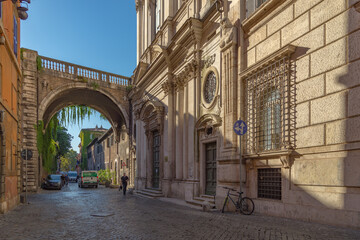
88, 178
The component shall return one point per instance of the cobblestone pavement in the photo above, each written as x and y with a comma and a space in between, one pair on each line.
66, 214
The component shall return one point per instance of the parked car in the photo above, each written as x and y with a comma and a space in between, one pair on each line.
88, 179
73, 176
52, 181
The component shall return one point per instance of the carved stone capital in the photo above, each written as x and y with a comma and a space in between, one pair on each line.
138, 4
180, 83
137, 114
167, 87
287, 161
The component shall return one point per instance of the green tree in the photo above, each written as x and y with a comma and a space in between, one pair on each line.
64, 139
71, 155
65, 164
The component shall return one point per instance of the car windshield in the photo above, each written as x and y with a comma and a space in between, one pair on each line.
54, 177
74, 174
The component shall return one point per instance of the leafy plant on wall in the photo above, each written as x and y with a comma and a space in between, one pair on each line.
54, 139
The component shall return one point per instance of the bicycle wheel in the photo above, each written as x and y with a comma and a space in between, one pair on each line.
225, 202
247, 206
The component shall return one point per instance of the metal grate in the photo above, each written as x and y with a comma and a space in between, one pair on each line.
269, 183
270, 108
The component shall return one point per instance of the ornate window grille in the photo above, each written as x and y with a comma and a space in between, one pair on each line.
270, 108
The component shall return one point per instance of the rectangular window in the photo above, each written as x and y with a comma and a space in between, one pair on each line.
112, 140
269, 183
15, 37
252, 5
127, 163
270, 108
157, 14
0, 9
121, 164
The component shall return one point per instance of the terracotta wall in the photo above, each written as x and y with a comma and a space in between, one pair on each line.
10, 81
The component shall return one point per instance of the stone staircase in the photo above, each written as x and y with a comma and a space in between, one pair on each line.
150, 193
199, 201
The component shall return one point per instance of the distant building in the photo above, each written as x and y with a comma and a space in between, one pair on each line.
95, 155
87, 135
105, 153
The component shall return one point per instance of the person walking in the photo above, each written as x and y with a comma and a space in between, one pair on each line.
124, 182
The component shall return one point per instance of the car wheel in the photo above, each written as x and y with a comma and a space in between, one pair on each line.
96, 186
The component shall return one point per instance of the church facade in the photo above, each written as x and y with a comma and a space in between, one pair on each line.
288, 69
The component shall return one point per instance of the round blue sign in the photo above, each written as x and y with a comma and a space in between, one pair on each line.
240, 127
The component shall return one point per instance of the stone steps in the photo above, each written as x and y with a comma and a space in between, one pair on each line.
150, 193
202, 200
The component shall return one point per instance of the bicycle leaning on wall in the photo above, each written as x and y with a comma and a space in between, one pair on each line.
244, 204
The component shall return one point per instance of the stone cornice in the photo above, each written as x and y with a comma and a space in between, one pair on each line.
287, 50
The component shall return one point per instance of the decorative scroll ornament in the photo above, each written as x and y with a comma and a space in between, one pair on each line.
209, 61
287, 161
229, 33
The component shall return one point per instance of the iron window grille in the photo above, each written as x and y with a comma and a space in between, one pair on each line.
270, 108
269, 183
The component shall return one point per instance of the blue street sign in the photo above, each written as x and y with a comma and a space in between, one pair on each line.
240, 127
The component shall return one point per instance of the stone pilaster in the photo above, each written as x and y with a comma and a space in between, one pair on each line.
228, 49
29, 106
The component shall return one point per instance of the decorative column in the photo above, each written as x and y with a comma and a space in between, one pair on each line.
179, 128
185, 133
228, 49
139, 15
169, 165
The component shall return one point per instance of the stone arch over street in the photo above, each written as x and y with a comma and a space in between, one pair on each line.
51, 85
80, 94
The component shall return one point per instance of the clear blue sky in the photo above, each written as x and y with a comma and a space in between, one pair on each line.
96, 34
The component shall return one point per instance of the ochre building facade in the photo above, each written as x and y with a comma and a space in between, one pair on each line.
289, 69
10, 82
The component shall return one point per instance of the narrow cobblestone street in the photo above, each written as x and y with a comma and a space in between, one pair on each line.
67, 214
